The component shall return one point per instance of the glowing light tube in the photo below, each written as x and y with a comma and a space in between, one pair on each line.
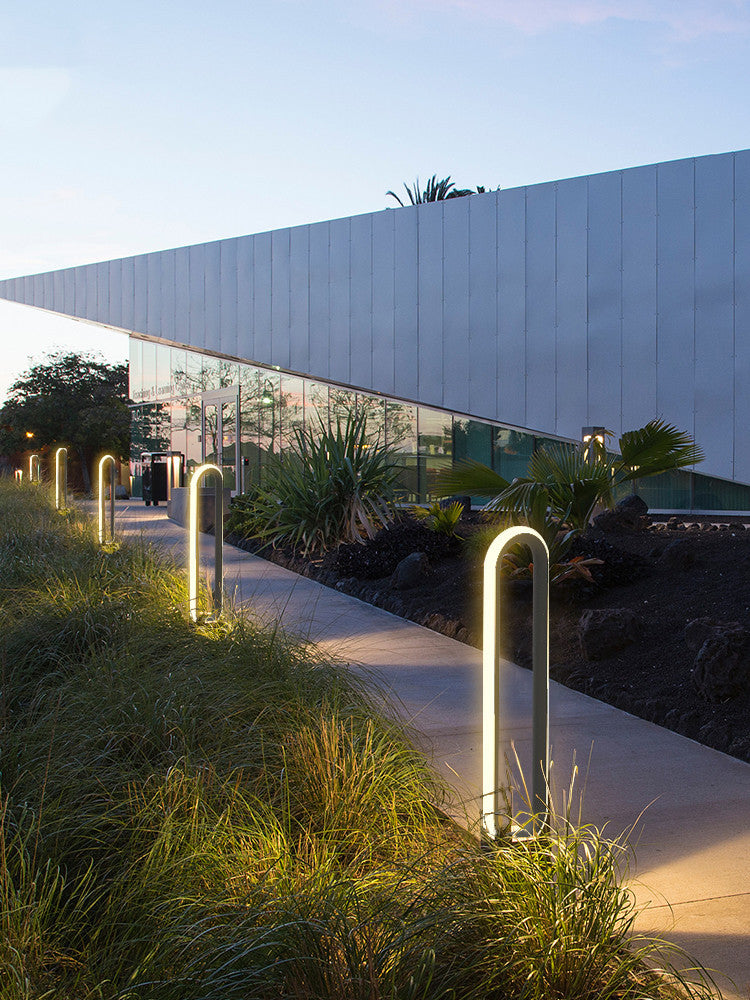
194, 539
35, 469
61, 478
491, 707
112, 470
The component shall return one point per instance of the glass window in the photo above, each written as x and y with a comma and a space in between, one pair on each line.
710, 493
178, 436
135, 371
292, 408
401, 438
316, 406
211, 373
342, 402
148, 370
163, 371
373, 408
178, 372
194, 373
193, 445
435, 447
250, 393
156, 427
472, 439
511, 452
269, 414
669, 490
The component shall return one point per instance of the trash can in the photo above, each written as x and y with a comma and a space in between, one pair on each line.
160, 471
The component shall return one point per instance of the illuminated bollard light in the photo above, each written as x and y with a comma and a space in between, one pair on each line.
491, 708
61, 479
112, 472
35, 469
19, 475
194, 539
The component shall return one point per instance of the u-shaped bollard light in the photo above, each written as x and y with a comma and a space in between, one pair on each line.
112, 472
194, 539
491, 707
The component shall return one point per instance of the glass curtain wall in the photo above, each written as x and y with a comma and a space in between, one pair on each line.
166, 386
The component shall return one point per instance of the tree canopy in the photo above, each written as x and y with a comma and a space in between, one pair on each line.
76, 400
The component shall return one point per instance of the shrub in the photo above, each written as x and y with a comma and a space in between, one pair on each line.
332, 486
441, 519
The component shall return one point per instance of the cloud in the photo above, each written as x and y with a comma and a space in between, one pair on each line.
686, 20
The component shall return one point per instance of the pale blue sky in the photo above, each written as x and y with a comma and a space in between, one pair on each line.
128, 128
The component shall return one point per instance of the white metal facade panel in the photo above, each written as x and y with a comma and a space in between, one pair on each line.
211, 272
482, 259
92, 308
102, 293
511, 305
339, 343
383, 276
166, 286
197, 295
245, 298
741, 392
361, 301
128, 296
58, 294
604, 268
182, 296
262, 297
571, 341
430, 337
299, 299
319, 298
540, 307
638, 297
140, 293
675, 293
714, 311
406, 299
154, 311
69, 295
49, 290
456, 304
280, 279
228, 297
115, 292
37, 289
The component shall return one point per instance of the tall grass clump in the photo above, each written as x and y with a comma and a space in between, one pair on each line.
215, 811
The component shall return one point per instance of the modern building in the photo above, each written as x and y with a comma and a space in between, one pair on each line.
476, 327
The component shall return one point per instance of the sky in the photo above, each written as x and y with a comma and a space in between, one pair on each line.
134, 127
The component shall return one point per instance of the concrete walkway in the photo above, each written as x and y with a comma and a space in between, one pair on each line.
690, 805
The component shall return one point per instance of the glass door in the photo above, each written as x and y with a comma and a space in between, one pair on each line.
219, 409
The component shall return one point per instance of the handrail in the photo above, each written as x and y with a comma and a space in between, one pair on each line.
194, 539
61, 479
35, 468
491, 679
112, 472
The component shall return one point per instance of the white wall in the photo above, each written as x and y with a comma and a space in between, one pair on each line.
608, 299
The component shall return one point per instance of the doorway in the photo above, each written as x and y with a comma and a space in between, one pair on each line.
219, 433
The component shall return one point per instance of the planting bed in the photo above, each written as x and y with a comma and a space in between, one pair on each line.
665, 585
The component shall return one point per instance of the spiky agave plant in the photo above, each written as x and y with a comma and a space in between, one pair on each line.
335, 484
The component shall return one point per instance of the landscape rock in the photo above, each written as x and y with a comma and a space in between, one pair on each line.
627, 515
678, 555
605, 631
410, 571
722, 667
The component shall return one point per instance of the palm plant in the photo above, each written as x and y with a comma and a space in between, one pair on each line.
573, 481
436, 190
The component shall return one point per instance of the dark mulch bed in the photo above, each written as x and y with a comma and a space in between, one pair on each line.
666, 586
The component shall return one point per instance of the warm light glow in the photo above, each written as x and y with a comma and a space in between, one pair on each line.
35, 468
19, 475
29, 434
491, 715
194, 534
102, 465
61, 478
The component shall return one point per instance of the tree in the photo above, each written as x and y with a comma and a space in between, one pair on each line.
435, 191
69, 399
573, 480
